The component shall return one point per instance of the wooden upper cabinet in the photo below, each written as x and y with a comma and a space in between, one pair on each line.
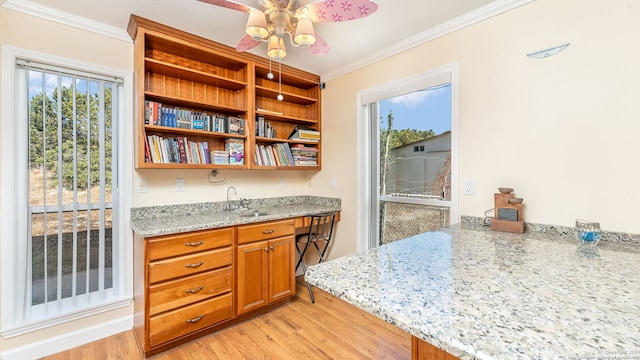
195, 97
300, 107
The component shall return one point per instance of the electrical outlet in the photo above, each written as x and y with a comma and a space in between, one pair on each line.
334, 183
142, 186
469, 188
283, 182
179, 184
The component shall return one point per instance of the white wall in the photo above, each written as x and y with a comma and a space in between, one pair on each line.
562, 131
161, 185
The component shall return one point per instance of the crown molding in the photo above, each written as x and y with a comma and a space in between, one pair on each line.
495, 8
45, 12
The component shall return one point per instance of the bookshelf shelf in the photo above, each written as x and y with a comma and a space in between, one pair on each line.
191, 133
284, 118
194, 104
184, 73
290, 97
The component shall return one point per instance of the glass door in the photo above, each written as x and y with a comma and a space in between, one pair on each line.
411, 162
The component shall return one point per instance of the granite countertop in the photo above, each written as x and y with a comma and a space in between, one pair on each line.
479, 294
172, 219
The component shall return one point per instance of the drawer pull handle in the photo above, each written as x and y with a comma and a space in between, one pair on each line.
268, 231
266, 249
194, 244
194, 291
191, 266
195, 320
271, 247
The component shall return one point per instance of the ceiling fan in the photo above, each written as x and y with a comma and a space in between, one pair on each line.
273, 20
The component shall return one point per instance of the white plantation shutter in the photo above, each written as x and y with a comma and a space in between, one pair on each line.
66, 257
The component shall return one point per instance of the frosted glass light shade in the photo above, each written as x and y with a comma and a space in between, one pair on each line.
257, 25
276, 49
305, 36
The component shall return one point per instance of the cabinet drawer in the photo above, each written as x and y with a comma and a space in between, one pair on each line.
188, 319
174, 245
189, 264
270, 230
173, 294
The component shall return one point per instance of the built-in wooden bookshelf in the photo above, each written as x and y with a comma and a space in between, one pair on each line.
197, 76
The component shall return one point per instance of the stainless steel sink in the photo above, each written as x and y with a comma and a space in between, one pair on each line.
253, 213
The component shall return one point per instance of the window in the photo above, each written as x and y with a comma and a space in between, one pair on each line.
410, 178
65, 230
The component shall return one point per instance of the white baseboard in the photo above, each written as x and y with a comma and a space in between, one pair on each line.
68, 341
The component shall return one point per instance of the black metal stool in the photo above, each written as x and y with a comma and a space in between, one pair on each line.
320, 232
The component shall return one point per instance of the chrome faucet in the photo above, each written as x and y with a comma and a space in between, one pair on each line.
234, 192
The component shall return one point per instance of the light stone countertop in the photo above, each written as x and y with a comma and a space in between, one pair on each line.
479, 294
172, 219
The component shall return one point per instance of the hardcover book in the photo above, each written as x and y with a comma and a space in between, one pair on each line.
235, 148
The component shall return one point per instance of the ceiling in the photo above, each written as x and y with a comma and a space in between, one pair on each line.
353, 44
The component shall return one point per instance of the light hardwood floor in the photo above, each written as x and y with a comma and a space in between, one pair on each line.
328, 329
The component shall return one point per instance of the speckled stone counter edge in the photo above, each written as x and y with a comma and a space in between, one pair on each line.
161, 211
172, 219
534, 228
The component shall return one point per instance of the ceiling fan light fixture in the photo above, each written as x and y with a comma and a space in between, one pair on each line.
257, 25
276, 49
304, 36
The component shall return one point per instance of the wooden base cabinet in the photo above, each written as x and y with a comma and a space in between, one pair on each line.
265, 261
421, 350
187, 286
190, 284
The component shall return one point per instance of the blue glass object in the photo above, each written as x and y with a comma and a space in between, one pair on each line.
588, 232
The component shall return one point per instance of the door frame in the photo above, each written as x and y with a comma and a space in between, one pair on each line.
367, 199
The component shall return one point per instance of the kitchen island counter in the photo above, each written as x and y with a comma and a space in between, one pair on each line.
479, 294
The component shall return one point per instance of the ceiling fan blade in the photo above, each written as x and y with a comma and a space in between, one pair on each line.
320, 47
229, 5
246, 43
339, 10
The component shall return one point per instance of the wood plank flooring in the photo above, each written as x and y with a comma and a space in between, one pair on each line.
328, 329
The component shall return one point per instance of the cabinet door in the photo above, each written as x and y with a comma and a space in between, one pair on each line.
253, 266
281, 274
421, 350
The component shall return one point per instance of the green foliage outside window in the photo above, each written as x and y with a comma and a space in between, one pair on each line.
80, 143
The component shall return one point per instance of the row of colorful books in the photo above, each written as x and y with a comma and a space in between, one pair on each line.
177, 150
281, 154
162, 115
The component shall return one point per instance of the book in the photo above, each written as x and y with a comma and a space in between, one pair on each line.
265, 111
269, 151
205, 152
220, 157
304, 134
287, 149
304, 155
284, 159
236, 125
263, 155
257, 158
147, 151
235, 148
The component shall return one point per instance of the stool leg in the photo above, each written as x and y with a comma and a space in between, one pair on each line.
313, 300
